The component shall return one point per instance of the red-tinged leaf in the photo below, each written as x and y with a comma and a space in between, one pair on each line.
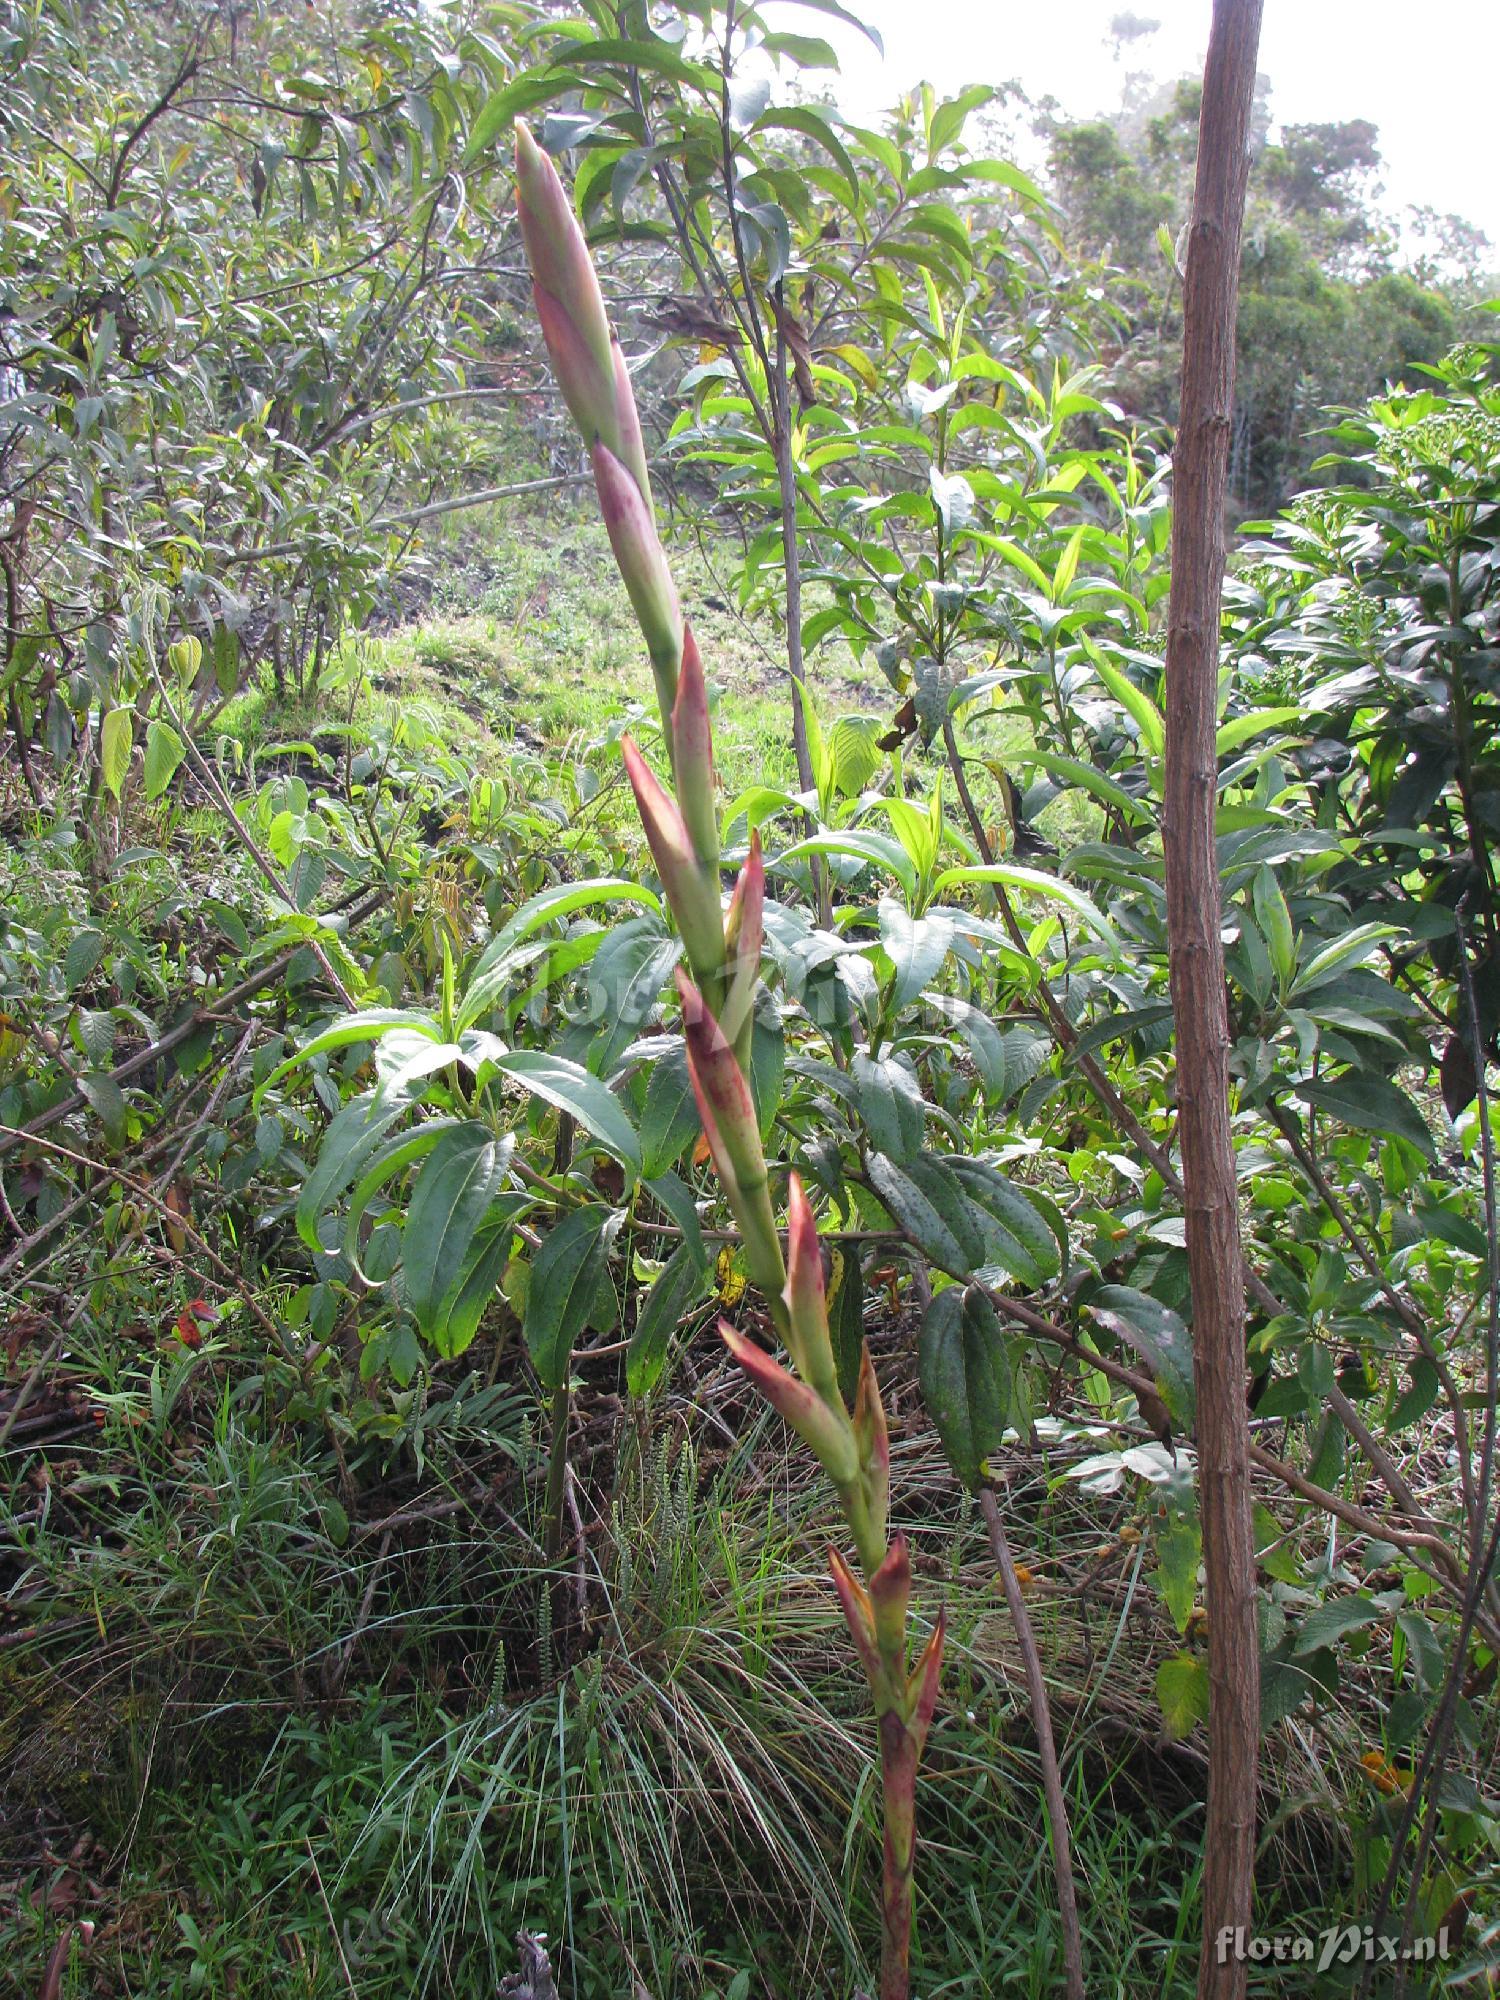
922, 1688
822, 1430
855, 1602
693, 755
643, 569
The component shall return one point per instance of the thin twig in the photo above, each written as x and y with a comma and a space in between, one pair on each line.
1041, 1722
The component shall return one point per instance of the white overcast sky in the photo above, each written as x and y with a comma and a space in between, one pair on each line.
1427, 75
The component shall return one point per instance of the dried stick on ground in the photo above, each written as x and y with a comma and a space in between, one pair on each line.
1215, 1261
1041, 1717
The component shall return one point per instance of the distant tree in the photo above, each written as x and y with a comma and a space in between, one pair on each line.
1328, 313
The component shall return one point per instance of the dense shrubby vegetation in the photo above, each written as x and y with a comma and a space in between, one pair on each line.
394, 1561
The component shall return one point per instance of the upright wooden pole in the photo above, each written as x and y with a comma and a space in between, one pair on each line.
1216, 1266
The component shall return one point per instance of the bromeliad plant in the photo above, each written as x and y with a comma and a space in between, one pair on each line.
723, 951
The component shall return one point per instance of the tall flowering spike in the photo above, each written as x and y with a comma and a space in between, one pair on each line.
806, 1299
692, 893
595, 382
821, 1429
733, 1134
569, 302
643, 567
693, 753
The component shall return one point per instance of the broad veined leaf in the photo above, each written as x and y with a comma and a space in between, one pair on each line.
846, 1315
1182, 1693
456, 1319
460, 1179
164, 752
1158, 1335
565, 1277
1006, 1058
1371, 1104
571, 1088
1332, 1620
852, 753
116, 739
916, 947
500, 112
669, 1118
393, 1157
871, 849
1275, 921
1035, 883
1138, 705
492, 970
351, 1141
925, 1199
891, 1104
1021, 1239
964, 1369
1230, 735
1070, 771
1353, 948
673, 1194
815, 124
679, 1287
1179, 1550
368, 1025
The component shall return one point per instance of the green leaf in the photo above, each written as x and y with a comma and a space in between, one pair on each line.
852, 753
116, 739
1020, 1241
948, 119
1275, 921
353, 1137
876, 850
1182, 1693
846, 1315
1037, 884
565, 1277
815, 125
1137, 704
1179, 1549
1371, 1104
681, 1284
569, 1086
1158, 1335
916, 947
669, 1118
500, 112
501, 956
673, 1194
394, 1157
1072, 772
85, 949
460, 1178
1231, 735
891, 1104
456, 1320
368, 1025
1332, 1620
964, 1370
106, 1099
926, 1201
164, 752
